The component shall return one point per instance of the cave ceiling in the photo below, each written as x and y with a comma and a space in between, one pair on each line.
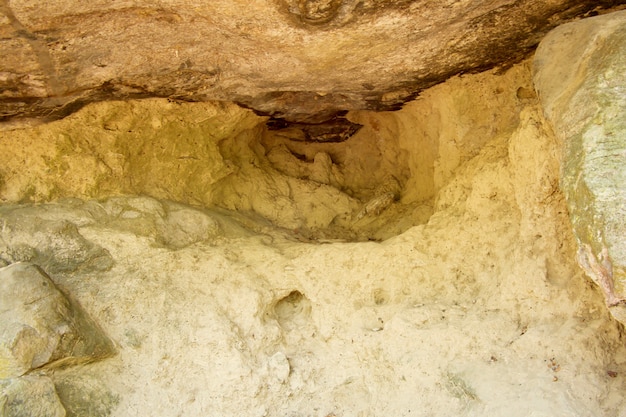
301, 62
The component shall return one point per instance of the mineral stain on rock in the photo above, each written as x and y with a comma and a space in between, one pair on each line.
55, 63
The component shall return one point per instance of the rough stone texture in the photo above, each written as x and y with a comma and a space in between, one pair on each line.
54, 244
580, 75
379, 182
196, 154
30, 396
83, 393
302, 60
39, 326
479, 310
170, 150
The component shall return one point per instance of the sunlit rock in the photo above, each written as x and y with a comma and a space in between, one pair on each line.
39, 326
580, 74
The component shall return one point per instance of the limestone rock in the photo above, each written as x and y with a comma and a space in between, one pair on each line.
29, 396
214, 154
39, 325
54, 244
301, 60
139, 215
279, 368
470, 314
83, 393
580, 76
184, 226
134, 147
170, 224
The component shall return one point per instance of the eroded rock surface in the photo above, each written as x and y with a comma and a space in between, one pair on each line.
40, 326
30, 396
471, 303
379, 182
585, 100
304, 61
477, 309
41, 331
52, 243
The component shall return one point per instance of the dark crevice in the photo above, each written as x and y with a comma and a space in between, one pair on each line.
335, 130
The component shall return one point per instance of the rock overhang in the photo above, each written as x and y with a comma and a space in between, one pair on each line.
297, 61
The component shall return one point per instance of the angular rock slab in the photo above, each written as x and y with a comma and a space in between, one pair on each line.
580, 76
40, 326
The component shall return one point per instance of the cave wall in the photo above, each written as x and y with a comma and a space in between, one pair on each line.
219, 154
479, 309
469, 301
151, 146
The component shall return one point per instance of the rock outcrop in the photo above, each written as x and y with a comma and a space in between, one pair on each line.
53, 244
30, 396
40, 326
300, 60
580, 75
478, 309
41, 330
379, 182
224, 253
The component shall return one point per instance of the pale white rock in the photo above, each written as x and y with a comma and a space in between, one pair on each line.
183, 226
35, 319
480, 304
54, 244
279, 367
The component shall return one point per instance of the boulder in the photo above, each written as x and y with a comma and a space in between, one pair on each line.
580, 76
39, 326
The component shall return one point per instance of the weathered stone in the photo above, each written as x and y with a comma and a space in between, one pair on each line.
48, 234
473, 313
155, 147
301, 60
278, 366
29, 396
83, 393
39, 325
54, 244
171, 224
213, 154
184, 226
168, 223
580, 75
